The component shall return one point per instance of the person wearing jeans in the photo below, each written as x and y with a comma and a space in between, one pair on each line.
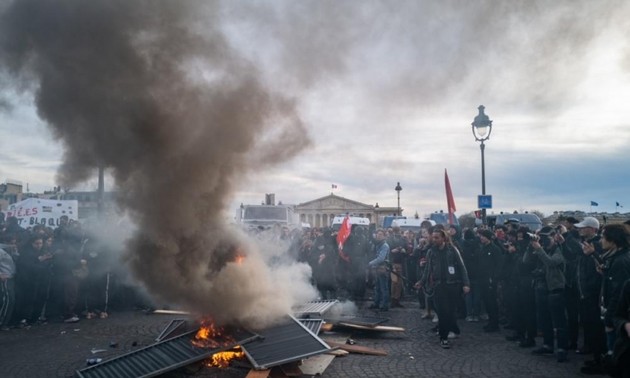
381, 274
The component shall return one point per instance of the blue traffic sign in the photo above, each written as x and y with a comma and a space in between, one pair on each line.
484, 201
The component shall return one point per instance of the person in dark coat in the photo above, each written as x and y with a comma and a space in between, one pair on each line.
525, 318
324, 273
358, 248
571, 249
621, 321
33, 267
470, 254
445, 270
490, 257
589, 282
616, 271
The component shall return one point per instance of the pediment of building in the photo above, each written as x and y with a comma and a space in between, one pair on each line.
334, 203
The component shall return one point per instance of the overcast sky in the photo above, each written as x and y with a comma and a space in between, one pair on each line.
387, 91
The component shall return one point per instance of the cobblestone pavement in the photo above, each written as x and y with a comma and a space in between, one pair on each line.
58, 349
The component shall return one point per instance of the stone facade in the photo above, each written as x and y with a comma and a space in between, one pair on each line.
321, 211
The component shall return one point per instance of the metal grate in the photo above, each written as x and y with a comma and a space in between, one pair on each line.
314, 308
170, 329
313, 325
161, 357
287, 342
359, 320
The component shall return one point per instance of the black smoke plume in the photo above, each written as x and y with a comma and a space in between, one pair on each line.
153, 91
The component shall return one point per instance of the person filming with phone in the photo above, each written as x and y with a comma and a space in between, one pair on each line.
549, 286
589, 282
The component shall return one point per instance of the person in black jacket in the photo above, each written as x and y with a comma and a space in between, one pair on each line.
327, 257
490, 257
398, 259
470, 254
571, 250
32, 276
589, 283
446, 271
616, 271
621, 319
525, 317
358, 248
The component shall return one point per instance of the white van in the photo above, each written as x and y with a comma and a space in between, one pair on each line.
412, 224
337, 221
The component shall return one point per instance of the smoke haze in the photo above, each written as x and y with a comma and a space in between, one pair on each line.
178, 117
179, 100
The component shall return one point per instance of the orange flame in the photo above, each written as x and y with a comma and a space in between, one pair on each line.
239, 259
211, 336
222, 359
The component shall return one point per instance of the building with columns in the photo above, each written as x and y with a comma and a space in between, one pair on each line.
321, 211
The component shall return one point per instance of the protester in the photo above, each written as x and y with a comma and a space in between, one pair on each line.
621, 319
358, 249
380, 271
589, 286
446, 272
7, 282
397, 259
425, 295
571, 250
324, 273
616, 270
470, 254
549, 289
490, 259
33, 274
525, 330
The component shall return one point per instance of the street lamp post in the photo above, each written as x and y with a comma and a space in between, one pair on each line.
398, 188
481, 129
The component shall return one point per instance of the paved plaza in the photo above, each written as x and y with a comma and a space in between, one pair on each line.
58, 349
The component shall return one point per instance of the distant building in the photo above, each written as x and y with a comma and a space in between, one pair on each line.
321, 211
12, 192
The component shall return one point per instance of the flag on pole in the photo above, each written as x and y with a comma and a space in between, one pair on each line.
593, 203
342, 236
618, 204
450, 201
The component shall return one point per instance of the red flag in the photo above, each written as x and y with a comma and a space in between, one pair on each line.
450, 201
342, 236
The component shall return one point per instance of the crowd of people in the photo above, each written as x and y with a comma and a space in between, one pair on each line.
548, 284
53, 274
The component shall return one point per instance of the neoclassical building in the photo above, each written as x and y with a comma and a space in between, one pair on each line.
321, 211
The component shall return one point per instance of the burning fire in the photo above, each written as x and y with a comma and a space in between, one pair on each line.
222, 359
211, 336
239, 255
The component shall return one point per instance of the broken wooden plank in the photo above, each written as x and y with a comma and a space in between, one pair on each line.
358, 349
338, 353
326, 327
379, 328
317, 364
170, 312
258, 373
